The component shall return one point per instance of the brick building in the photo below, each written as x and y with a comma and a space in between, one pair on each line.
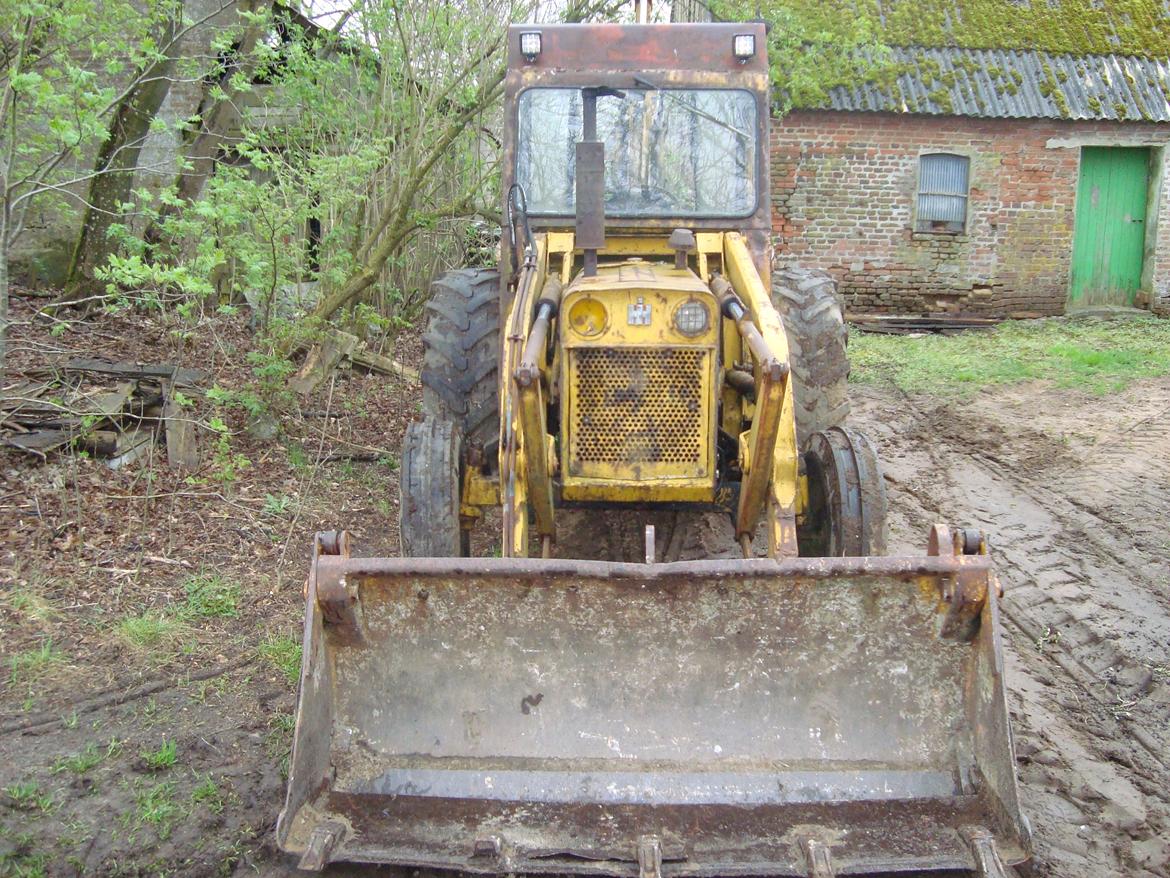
984, 182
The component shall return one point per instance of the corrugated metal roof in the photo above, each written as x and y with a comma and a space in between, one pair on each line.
996, 84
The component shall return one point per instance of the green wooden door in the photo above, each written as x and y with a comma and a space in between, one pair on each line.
1110, 234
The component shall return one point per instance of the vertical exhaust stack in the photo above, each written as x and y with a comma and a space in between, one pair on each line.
590, 174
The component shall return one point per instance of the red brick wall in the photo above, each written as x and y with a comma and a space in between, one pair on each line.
843, 190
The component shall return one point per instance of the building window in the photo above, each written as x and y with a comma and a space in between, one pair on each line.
942, 192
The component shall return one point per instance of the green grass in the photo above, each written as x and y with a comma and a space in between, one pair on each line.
27, 602
284, 654
278, 741
28, 796
156, 806
148, 631
23, 860
164, 757
1098, 355
31, 664
210, 597
88, 759
207, 596
209, 794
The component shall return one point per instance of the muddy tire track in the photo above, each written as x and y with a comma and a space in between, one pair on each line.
1075, 536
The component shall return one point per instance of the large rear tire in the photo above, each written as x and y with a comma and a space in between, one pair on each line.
461, 353
429, 492
846, 515
818, 337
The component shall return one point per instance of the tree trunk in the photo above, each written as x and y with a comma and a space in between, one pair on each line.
3, 293
217, 117
114, 172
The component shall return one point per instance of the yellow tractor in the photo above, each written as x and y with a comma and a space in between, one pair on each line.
800, 705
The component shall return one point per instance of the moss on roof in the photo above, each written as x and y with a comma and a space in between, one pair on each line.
1072, 27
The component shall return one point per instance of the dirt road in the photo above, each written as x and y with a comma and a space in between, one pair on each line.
1073, 490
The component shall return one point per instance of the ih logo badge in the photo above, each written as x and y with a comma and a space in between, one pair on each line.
638, 313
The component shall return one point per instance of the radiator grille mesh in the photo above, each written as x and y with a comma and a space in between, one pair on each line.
638, 406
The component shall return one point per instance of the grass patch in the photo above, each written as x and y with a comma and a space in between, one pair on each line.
162, 758
278, 741
24, 861
207, 596
32, 664
156, 806
210, 597
28, 603
208, 793
1098, 355
28, 796
88, 759
284, 654
148, 630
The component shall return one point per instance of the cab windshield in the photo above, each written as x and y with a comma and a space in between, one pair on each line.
668, 152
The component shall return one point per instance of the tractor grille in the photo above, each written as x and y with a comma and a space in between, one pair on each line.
638, 406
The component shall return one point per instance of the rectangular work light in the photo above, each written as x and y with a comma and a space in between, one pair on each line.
743, 46
530, 44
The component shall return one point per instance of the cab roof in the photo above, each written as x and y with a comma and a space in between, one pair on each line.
638, 47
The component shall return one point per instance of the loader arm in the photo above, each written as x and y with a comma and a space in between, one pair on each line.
770, 464
524, 473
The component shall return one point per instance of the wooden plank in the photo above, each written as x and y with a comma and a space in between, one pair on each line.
321, 360
132, 446
1109, 228
178, 374
39, 441
107, 403
100, 443
182, 439
372, 362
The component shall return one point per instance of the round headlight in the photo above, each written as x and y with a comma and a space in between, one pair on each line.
692, 317
588, 317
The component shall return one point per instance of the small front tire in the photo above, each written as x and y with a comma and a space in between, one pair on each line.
846, 514
430, 489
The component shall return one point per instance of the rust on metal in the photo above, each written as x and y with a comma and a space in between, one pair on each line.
338, 598
322, 840
488, 846
638, 406
882, 748
988, 863
965, 591
682, 241
819, 858
649, 857
609, 47
742, 382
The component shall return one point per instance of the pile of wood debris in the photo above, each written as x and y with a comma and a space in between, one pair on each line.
115, 411
337, 348
900, 324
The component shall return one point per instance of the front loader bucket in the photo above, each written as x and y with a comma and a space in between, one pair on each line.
808, 717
